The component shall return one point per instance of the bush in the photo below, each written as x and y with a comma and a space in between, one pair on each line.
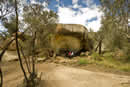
108, 54
125, 67
96, 56
83, 61
107, 64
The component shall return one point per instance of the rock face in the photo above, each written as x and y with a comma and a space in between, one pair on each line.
10, 56
71, 27
61, 43
69, 37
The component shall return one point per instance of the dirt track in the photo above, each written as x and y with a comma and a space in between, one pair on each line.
61, 76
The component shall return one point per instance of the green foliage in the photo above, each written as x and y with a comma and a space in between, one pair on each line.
96, 56
125, 67
115, 25
42, 22
10, 25
27, 46
109, 61
83, 61
126, 50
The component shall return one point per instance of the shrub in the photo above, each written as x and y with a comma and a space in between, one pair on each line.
83, 61
96, 56
125, 67
108, 54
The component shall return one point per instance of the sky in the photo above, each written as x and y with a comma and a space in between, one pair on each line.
84, 12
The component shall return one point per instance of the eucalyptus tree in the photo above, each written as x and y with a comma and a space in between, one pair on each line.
41, 21
115, 15
116, 12
40, 24
13, 27
115, 23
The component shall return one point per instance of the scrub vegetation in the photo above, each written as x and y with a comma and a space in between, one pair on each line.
36, 35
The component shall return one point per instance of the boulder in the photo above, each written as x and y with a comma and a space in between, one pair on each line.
10, 56
84, 53
41, 59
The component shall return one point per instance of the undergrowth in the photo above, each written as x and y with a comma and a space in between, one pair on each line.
107, 60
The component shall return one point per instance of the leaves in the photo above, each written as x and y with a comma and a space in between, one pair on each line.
10, 25
115, 23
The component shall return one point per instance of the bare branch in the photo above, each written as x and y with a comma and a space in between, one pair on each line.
25, 58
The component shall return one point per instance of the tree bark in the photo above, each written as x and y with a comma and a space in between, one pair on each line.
33, 52
17, 46
100, 47
1, 75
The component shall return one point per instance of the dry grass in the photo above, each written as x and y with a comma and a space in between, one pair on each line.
107, 61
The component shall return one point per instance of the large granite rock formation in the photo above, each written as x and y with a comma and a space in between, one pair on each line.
71, 28
70, 37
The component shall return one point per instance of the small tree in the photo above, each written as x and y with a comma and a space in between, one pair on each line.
35, 25
42, 22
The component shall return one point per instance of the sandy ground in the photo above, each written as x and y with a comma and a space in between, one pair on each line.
54, 75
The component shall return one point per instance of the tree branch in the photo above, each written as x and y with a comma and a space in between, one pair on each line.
25, 58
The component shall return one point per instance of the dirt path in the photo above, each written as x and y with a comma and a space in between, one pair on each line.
61, 76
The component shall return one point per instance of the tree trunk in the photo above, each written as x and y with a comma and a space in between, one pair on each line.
17, 46
33, 52
96, 47
100, 47
1, 75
